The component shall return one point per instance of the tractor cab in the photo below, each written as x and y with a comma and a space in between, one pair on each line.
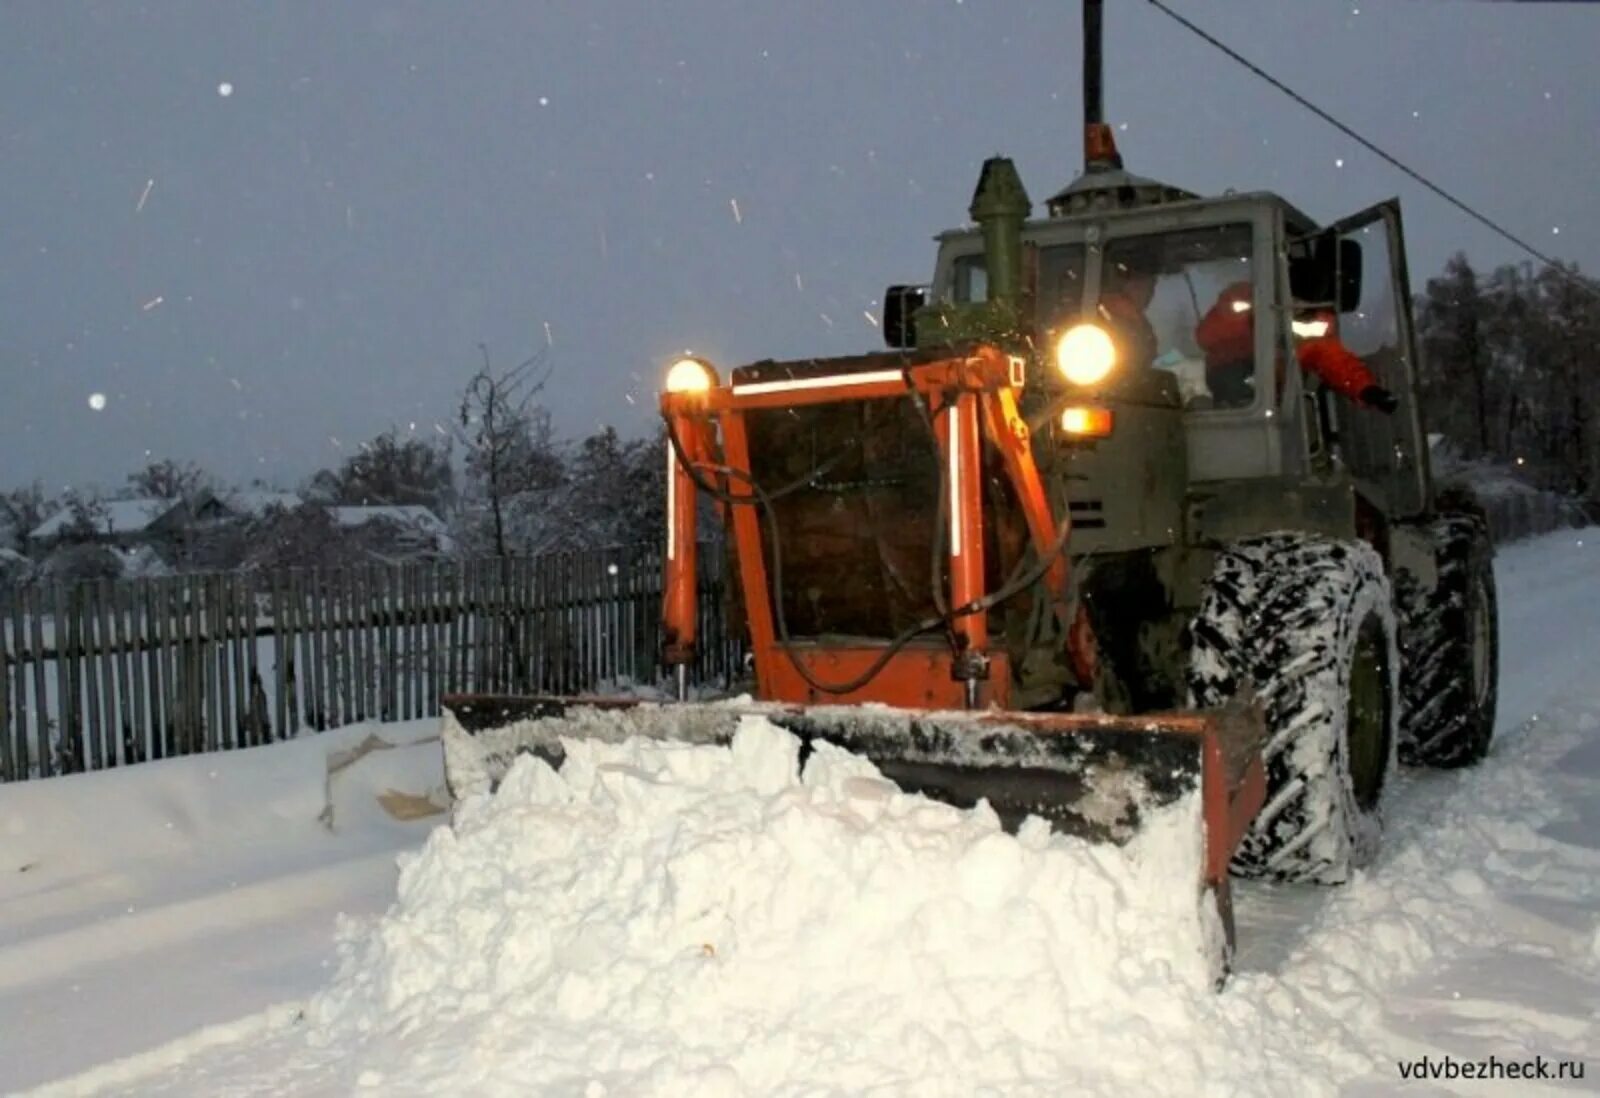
1143, 308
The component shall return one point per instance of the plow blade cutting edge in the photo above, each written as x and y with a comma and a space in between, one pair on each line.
1092, 776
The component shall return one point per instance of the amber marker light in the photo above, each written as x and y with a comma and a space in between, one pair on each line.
1083, 421
691, 375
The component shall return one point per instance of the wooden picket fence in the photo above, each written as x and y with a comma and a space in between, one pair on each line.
108, 673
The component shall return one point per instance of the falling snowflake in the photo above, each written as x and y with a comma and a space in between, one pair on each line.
224, 89
97, 401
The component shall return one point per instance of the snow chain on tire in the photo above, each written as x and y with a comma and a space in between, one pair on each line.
1448, 648
1289, 617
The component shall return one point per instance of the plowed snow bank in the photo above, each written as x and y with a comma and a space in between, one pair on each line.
667, 919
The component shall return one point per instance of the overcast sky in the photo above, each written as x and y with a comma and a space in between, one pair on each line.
267, 231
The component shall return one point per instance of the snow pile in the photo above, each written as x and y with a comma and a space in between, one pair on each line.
660, 918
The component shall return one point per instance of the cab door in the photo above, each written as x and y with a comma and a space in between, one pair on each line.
1370, 294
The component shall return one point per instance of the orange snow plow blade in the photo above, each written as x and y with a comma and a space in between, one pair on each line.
1096, 777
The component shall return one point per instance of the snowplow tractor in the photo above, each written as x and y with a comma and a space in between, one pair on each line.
1102, 536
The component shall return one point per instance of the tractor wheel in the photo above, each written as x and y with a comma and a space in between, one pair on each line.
1303, 624
1449, 648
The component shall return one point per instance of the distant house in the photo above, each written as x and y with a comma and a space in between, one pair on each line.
120, 522
216, 531
409, 528
227, 506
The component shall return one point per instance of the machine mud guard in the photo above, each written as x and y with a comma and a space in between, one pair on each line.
1091, 776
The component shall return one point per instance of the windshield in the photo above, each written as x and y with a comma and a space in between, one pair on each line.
1184, 302
1181, 301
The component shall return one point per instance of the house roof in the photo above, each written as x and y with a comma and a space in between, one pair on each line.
111, 516
258, 503
414, 515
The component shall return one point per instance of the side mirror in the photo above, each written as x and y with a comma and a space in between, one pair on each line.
1320, 273
900, 305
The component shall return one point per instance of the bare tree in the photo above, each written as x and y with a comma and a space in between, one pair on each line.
510, 450
168, 479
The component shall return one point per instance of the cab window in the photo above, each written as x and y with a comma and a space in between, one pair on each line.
970, 279
1183, 301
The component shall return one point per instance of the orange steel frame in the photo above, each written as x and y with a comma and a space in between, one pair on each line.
976, 394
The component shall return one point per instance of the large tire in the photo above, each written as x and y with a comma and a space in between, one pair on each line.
1305, 625
1449, 648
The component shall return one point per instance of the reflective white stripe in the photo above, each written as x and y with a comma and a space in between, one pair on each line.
953, 440
672, 502
1017, 371
873, 378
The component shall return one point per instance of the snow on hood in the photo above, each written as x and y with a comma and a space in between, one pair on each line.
670, 919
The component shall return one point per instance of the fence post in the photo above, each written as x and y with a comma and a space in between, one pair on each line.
298, 644
158, 608
7, 766
280, 666
126, 749
137, 639
382, 596
19, 696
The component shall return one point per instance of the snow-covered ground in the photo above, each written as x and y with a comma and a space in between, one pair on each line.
137, 905
169, 929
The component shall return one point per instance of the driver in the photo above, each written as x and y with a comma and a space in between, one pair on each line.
1227, 337
1126, 292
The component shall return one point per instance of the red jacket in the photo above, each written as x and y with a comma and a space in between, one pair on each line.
1227, 336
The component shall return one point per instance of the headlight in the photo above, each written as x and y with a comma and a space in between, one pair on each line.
1085, 354
691, 375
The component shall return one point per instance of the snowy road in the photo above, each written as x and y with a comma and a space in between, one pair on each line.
136, 907
139, 905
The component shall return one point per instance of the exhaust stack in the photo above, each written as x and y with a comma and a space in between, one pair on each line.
1099, 146
1104, 184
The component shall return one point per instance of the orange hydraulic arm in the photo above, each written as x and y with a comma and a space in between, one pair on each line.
680, 615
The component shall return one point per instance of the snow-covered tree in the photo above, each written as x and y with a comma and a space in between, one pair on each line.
1509, 370
390, 469
21, 511
615, 492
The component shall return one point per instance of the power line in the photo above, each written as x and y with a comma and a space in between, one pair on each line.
1391, 159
